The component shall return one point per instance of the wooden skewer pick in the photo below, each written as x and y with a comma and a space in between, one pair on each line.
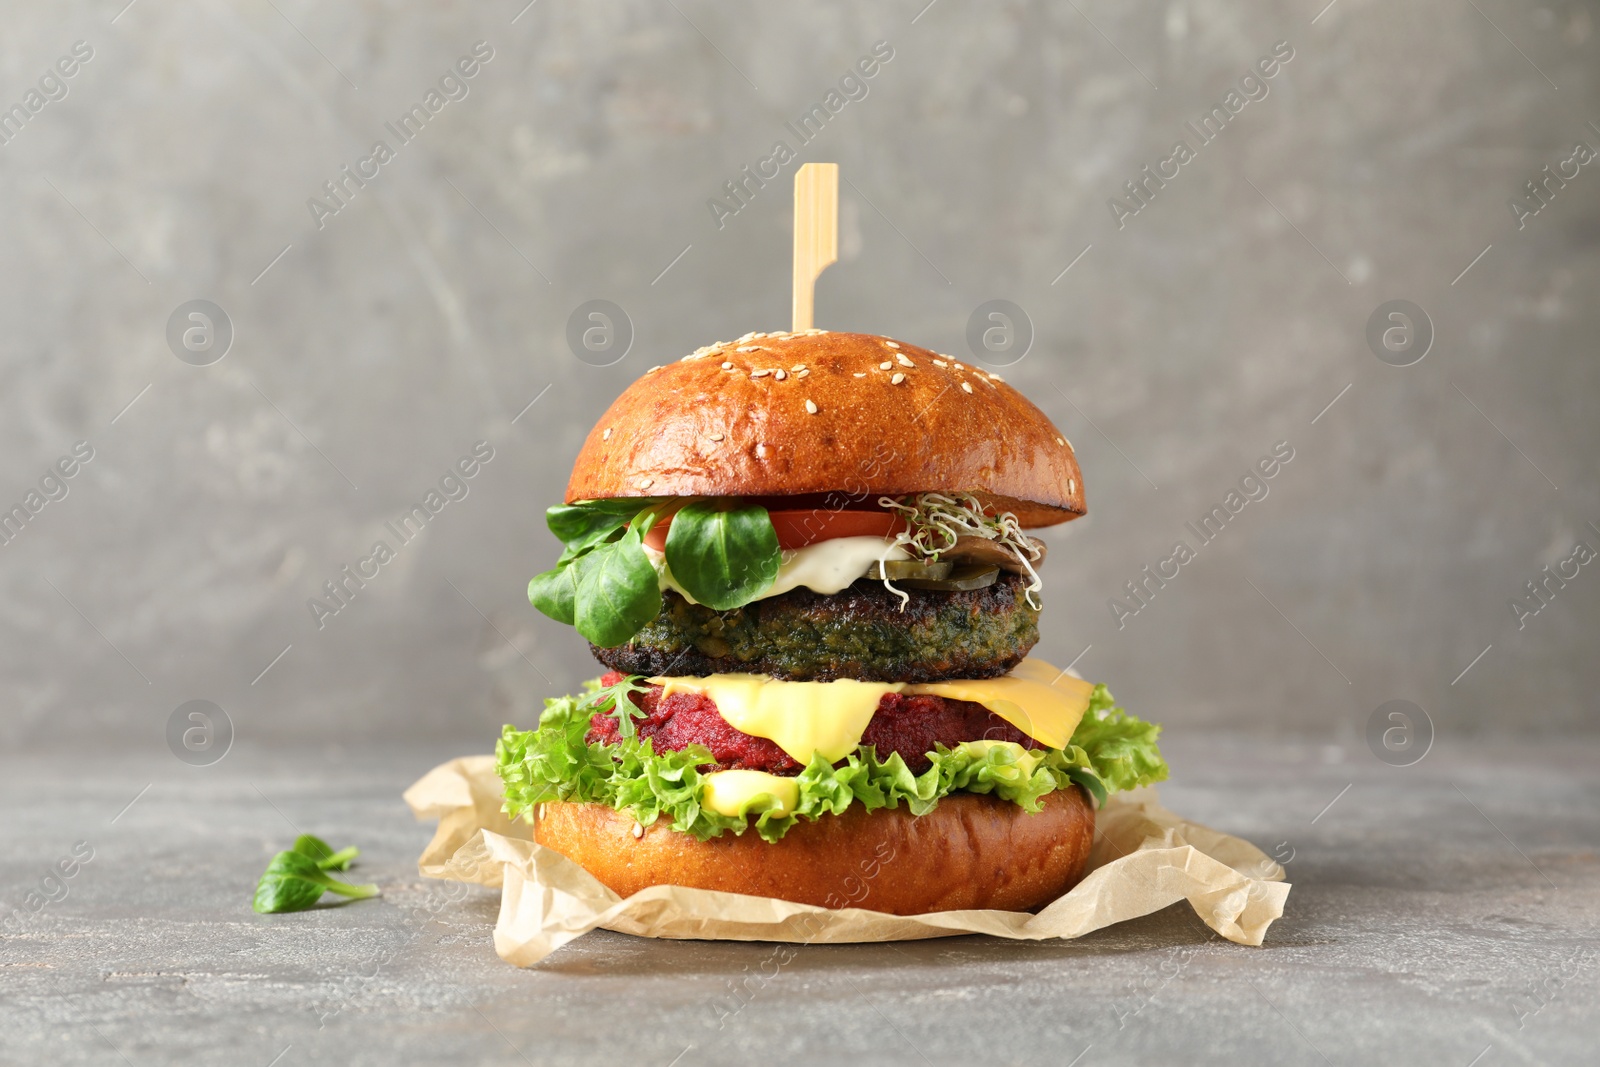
816, 233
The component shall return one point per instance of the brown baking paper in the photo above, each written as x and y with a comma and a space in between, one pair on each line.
1144, 859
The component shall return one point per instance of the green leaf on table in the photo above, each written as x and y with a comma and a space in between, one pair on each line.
296, 879
323, 853
723, 555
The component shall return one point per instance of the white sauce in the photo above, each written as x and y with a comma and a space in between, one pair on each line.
826, 567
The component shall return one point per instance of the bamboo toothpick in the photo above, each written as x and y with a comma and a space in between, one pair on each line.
816, 233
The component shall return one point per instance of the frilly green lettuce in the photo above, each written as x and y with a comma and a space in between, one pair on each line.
1111, 751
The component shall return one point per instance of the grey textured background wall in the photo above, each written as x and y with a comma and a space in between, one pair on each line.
426, 314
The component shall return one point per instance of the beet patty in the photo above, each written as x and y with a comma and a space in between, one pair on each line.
859, 632
909, 725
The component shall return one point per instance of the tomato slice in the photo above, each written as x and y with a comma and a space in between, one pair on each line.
799, 527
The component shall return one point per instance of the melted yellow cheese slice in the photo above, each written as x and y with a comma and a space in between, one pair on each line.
828, 718
800, 717
731, 792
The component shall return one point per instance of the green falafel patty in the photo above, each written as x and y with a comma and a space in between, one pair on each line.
859, 633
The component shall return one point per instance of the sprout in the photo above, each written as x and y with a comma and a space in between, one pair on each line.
938, 520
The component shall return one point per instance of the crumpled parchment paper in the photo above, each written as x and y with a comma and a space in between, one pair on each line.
1144, 859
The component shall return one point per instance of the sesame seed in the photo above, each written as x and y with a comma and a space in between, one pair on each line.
996, 377
645, 483
1069, 486
652, 370
859, 374
811, 407
940, 363
1061, 440
727, 366
606, 436
713, 437
761, 451
780, 374
746, 337
892, 344
748, 348
960, 367
1067, 443
638, 830
802, 373
897, 379
885, 365
760, 373
967, 386
798, 366
904, 360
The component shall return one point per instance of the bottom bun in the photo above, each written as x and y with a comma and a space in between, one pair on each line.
972, 851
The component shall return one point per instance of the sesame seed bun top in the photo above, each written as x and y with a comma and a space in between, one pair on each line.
780, 414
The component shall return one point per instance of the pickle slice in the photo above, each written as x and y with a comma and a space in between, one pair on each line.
901, 569
965, 576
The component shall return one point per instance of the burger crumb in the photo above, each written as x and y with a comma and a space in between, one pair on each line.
811, 409
967, 386
897, 379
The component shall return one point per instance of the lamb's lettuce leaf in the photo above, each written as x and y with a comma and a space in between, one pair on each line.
722, 553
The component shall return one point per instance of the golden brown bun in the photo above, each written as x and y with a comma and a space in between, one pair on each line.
698, 428
971, 851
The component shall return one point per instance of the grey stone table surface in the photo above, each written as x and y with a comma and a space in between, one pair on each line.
1447, 912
